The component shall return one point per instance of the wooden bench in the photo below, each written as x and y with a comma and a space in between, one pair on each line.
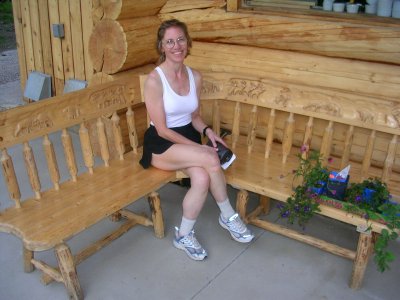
49, 217
270, 121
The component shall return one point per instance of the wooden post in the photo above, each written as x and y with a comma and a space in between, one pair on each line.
232, 5
87, 151
368, 155
361, 260
31, 169
270, 133
51, 162
68, 271
69, 154
236, 125
242, 199
156, 214
10, 177
287, 141
28, 256
101, 132
251, 135
348, 142
265, 203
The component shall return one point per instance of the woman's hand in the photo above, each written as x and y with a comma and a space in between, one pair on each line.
215, 138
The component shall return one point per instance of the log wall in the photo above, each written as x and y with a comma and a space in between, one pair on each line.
39, 50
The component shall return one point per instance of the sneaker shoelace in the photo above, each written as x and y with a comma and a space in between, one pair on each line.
191, 241
236, 224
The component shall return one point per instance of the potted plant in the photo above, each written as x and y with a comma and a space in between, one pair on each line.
371, 199
301, 206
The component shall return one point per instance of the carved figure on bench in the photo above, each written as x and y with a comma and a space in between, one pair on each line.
173, 140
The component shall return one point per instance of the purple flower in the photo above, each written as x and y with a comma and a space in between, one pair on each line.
366, 216
285, 214
306, 208
358, 198
304, 148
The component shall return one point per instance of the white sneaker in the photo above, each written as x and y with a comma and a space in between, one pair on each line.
236, 228
190, 245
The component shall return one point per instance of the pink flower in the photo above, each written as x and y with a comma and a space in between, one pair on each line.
304, 148
330, 160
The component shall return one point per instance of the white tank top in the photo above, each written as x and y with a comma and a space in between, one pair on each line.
178, 109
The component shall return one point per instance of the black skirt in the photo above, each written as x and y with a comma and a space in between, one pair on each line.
153, 143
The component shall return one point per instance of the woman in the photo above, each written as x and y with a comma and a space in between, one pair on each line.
173, 140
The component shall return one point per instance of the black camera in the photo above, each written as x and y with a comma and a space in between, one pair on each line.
224, 154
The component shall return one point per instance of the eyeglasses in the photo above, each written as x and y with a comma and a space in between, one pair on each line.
171, 43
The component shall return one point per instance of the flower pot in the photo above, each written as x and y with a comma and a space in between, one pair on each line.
319, 189
336, 188
367, 195
352, 8
338, 7
327, 5
384, 8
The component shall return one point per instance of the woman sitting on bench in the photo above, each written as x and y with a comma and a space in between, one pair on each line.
173, 141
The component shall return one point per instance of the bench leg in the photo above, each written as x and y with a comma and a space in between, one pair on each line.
265, 203
361, 261
68, 271
28, 255
242, 199
156, 214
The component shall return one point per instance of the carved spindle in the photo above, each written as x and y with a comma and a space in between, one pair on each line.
51, 162
348, 142
308, 136
288, 137
389, 161
86, 147
101, 132
119, 144
216, 118
236, 125
10, 178
31, 168
130, 118
69, 154
270, 133
326, 143
368, 155
251, 135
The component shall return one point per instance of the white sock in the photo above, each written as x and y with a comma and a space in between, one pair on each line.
186, 226
226, 209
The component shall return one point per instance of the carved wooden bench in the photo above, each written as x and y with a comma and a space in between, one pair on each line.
270, 121
50, 217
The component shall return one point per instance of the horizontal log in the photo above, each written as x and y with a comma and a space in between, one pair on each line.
126, 9
375, 80
323, 245
182, 5
117, 46
326, 37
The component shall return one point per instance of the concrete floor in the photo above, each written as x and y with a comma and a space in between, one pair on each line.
140, 266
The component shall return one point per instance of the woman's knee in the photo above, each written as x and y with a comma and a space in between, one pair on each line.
212, 160
199, 178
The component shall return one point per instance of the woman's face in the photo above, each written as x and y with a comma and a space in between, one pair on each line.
174, 44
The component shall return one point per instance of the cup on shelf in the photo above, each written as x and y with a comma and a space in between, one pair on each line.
371, 9
352, 8
396, 9
384, 8
338, 6
327, 5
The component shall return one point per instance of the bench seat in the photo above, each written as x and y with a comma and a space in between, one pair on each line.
274, 179
60, 214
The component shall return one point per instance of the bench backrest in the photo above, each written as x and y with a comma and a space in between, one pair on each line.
293, 116
56, 117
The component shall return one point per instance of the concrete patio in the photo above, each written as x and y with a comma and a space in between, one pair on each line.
140, 266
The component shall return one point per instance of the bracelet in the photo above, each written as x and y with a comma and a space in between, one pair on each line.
205, 129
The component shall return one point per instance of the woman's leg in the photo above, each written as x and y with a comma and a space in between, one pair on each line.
179, 157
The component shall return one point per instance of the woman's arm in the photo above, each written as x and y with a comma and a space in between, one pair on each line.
153, 95
197, 121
